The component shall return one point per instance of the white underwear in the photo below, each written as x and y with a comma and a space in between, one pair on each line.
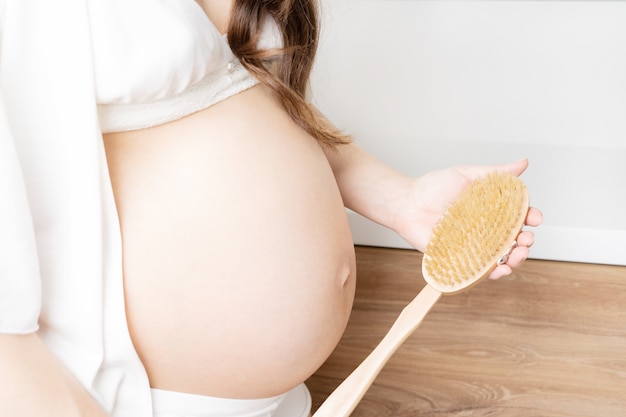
295, 403
215, 87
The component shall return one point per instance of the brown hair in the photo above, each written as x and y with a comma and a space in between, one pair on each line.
285, 70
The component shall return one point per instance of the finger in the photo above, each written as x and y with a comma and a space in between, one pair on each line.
476, 171
500, 271
534, 217
516, 168
526, 238
515, 259
518, 256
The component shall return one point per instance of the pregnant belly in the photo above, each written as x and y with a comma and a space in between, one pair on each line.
238, 260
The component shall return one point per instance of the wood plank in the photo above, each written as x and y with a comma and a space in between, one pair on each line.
550, 340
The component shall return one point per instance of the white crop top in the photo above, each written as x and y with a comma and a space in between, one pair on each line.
154, 67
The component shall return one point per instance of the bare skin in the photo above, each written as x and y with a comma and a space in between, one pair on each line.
218, 11
35, 383
238, 260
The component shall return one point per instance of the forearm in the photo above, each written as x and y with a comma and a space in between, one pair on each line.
368, 186
33, 382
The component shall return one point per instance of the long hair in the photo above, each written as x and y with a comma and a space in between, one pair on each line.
285, 70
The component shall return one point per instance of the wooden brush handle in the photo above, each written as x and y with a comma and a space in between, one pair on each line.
344, 399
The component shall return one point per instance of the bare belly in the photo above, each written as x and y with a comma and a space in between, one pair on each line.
238, 260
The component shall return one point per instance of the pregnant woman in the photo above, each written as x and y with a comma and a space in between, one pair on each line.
181, 209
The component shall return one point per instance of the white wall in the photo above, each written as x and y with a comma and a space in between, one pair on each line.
428, 84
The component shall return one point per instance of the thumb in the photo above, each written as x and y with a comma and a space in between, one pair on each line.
476, 171
516, 168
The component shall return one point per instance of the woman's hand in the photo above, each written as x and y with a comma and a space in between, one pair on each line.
429, 196
412, 206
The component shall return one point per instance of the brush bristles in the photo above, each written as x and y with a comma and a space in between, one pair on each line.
475, 231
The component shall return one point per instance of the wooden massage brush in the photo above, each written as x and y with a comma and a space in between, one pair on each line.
476, 233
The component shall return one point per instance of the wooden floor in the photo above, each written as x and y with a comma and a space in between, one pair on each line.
549, 341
